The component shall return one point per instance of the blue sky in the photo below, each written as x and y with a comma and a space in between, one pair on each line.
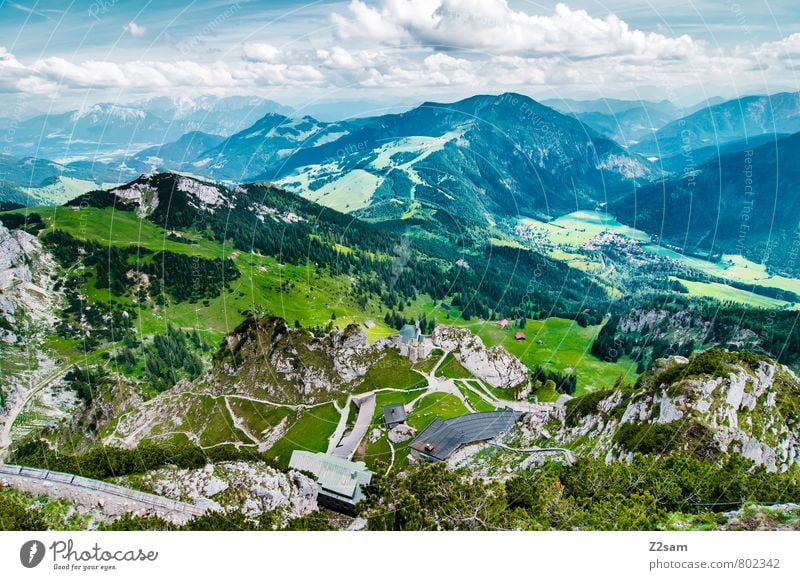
59, 54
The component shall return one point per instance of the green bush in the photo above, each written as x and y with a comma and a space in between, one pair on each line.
655, 438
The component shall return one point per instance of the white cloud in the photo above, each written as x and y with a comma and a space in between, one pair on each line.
261, 52
86, 74
400, 45
492, 26
16, 77
135, 30
785, 49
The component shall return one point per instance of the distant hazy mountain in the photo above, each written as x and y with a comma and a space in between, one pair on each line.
109, 131
265, 146
174, 155
691, 159
607, 106
708, 102
99, 131
624, 121
29, 171
734, 203
725, 122
481, 156
331, 111
34, 181
215, 115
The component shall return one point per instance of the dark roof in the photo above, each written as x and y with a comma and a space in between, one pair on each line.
394, 413
443, 437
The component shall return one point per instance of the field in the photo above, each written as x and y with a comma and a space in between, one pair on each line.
348, 193
310, 431
294, 292
429, 407
478, 403
724, 292
564, 345
573, 229
64, 189
393, 370
452, 369
734, 268
577, 227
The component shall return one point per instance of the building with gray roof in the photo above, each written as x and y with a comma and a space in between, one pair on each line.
442, 438
394, 414
339, 482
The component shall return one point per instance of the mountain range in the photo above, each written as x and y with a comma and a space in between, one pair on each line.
728, 121
466, 164
742, 202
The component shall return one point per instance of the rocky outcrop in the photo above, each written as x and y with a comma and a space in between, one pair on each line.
495, 365
400, 433
253, 488
290, 365
27, 299
745, 406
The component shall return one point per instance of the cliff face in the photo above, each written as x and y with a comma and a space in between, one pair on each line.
27, 299
731, 404
495, 365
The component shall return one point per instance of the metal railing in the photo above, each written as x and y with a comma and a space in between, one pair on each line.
102, 487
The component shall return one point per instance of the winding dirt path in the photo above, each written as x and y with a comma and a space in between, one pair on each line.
19, 404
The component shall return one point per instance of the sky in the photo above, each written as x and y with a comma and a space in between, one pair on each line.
63, 55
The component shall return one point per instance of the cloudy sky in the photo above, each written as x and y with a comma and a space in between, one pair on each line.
57, 55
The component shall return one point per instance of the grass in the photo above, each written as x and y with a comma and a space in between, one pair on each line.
427, 365
393, 370
300, 292
215, 424
501, 394
377, 454
732, 267
452, 369
477, 402
392, 398
348, 193
564, 344
544, 395
429, 407
310, 431
724, 293
294, 292
577, 227
64, 189
259, 418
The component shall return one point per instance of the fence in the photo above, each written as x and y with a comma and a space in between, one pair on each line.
102, 487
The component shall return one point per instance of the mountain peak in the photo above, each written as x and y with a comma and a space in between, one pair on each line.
159, 194
113, 110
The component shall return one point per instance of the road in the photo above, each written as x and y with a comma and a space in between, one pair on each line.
349, 443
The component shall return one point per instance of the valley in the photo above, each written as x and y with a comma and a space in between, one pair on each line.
224, 306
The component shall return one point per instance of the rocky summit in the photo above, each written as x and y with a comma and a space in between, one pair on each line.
717, 404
